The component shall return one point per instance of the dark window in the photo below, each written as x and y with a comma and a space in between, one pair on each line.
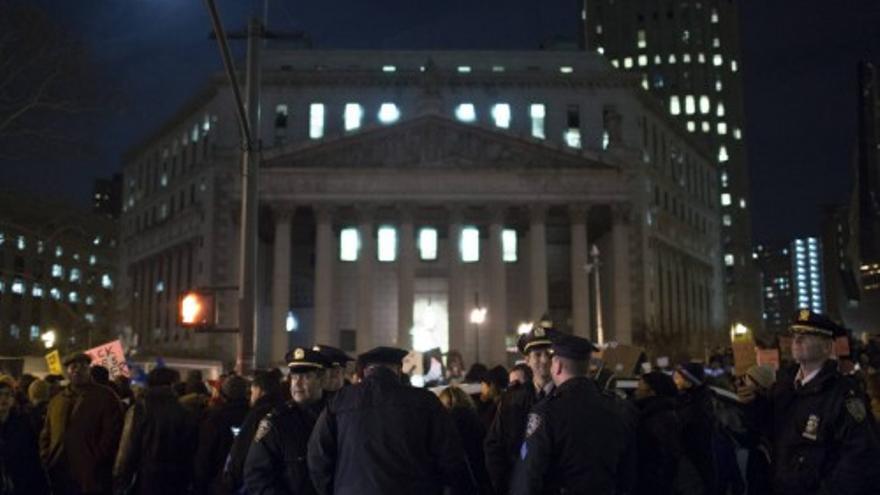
574, 117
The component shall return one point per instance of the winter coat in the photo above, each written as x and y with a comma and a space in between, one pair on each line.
471, 430
215, 441
234, 472
658, 437
20, 470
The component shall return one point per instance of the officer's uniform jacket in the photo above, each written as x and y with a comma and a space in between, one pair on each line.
382, 437
824, 438
576, 441
276, 461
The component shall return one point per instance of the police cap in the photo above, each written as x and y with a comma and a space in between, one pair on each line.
382, 355
76, 357
572, 347
807, 322
336, 356
538, 337
303, 359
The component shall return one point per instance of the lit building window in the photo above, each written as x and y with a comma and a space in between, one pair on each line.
92, 260
14, 331
106, 281
691, 125
537, 112
628, 62
645, 82
606, 140
316, 120
74, 275
726, 220
349, 244
501, 115
686, 58
35, 332
508, 245
89, 317
641, 39
466, 112
706, 126
90, 300
389, 68
674, 105
718, 85
464, 69
160, 287
725, 199
737, 134
600, 50
73, 297
643, 60
716, 43
354, 113
722, 128
724, 182
566, 69
729, 259
689, 105
615, 63
742, 203
714, 16
498, 68
598, 27
57, 271
37, 291
733, 66
701, 58
672, 58
658, 60
387, 244
717, 60
722, 154
428, 244
705, 105
388, 113
573, 138
21, 243
470, 244
2, 238
55, 294
17, 287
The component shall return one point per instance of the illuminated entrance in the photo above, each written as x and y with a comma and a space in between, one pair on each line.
430, 315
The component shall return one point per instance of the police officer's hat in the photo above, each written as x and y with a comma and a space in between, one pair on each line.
302, 359
382, 355
807, 322
336, 356
540, 336
572, 347
76, 357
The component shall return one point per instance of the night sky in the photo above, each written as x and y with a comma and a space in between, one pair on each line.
799, 63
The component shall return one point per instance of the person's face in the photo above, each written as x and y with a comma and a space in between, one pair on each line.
681, 382
334, 379
643, 390
306, 387
517, 376
78, 373
7, 400
539, 361
810, 348
256, 393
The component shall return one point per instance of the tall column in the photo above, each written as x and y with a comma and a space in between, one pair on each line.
406, 268
366, 258
621, 296
173, 292
457, 308
580, 282
537, 260
496, 312
325, 254
280, 286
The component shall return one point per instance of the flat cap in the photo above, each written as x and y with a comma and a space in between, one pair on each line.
336, 356
572, 347
382, 355
808, 322
76, 357
305, 359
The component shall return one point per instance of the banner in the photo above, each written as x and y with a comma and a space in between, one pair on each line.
53, 362
622, 359
112, 357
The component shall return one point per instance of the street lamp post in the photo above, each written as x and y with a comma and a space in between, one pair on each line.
593, 267
478, 316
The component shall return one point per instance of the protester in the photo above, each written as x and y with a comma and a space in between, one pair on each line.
493, 383
519, 374
755, 388
20, 469
658, 435
217, 433
471, 430
158, 441
38, 399
194, 395
79, 440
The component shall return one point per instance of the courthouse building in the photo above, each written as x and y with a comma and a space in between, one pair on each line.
401, 190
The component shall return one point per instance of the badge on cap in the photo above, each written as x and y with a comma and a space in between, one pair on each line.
804, 315
811, 431
299, 354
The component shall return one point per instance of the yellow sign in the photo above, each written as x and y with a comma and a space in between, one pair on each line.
53, 361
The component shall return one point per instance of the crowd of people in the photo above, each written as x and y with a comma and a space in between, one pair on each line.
553, 423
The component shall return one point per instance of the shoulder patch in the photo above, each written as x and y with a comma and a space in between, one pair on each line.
264, 428
533, 424
856, 408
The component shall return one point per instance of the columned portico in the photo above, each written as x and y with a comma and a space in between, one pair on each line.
405, 278
621, 290
580, 282
537, 261
497, 309
366, 258
457, 308
325, 253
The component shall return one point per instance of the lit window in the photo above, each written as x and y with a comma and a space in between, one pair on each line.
55, 293
508, 245
737, 134
573, 138
537, 112
498, 68
316, 120
598, 27
701, 58
90, 300
194, 135
501, 115
21, 243
106, 281
658, 60
628, 62
686, 58
726, 220
349, 244
691, 125
728, 259
722, 128
57, 271
92, 260
470, 244
672, 58
600, 50
720, 111
645, 81
428, 244
725, 199
642, 39
685, 36
74, 274
606, 140
387, 244
160, 286
388, 113
718, 85
17, 287
2, 287
643, 60
389, 68
14, 331
714, 16
2, 238
705, 106
35, 332
206, 124
722, 154
733, 66
724, 179
73, 297
706, 126
717, 60
689, 105
615, 63
464, 69
716, 43
466, 112
354, 113
37, 291
89, 317
566, 69
674, 105
163, 179
742, 203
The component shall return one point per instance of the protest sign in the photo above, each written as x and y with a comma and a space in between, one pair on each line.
53, 362
110, 356
768, 357
744, 356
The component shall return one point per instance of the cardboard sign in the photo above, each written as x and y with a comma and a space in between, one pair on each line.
112, 357
768, 357
53, 362
622, 359
744, 356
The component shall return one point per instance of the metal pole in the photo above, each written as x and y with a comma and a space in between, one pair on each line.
600, 332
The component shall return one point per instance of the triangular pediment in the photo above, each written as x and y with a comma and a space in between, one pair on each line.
430, 141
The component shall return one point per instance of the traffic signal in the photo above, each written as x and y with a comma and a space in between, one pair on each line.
196, 310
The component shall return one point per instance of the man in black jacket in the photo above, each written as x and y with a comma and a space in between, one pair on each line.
823, 436
217, 433
576, 441
381, 436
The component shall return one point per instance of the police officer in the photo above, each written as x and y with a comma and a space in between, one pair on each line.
380, 436
276, 461
575, 441
505, 435
335, 375
822, 433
